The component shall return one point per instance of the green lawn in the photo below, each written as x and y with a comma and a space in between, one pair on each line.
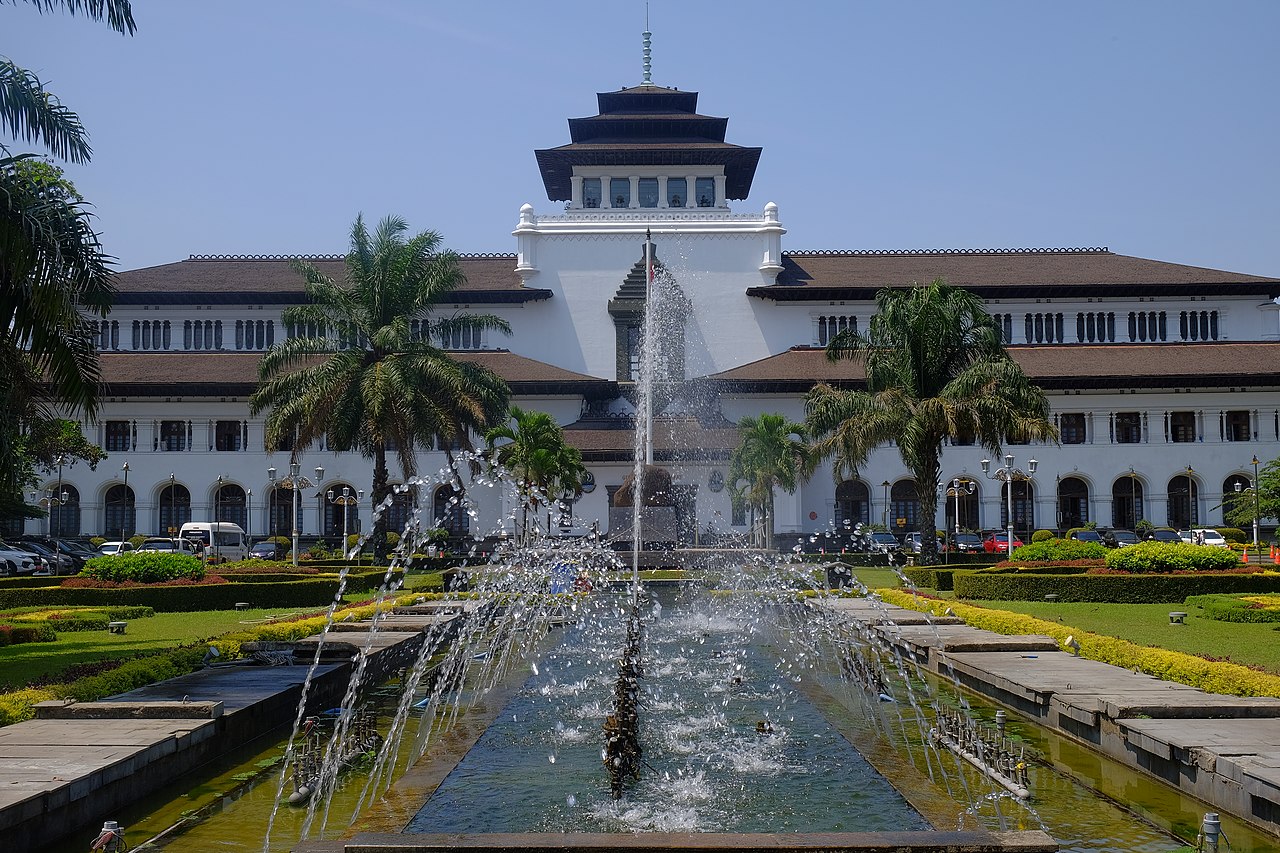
22, 663
1148, 625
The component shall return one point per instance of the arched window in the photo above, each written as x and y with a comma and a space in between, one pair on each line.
968, 506
853, 504
401, 509
231, 504
1127, 498
1073, 503
64, 511
1024, 508
173, 509
1231, 498
450, 511
1184, 495
278, 507
119, 513
342, 512
904, 507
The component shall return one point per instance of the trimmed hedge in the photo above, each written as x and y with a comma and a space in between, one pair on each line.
1041, 536
17, 633
1059, 549
1117, 589
144, 567
930, 577
311, 592
1231, 608
1171, 557
1232, 679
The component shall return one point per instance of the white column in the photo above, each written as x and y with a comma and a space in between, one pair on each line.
691, 191
720, 199
662, 191
575, 192
606, 192
635, 191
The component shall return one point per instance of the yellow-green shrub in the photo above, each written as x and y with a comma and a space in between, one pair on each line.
1214, 676
19, 705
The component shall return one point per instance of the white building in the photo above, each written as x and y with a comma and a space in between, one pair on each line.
1164, 379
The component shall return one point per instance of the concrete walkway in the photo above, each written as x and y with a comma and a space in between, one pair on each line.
1224, 750
65, 772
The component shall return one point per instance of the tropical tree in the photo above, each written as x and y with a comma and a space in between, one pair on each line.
53, 270
532, 447
935, 369
772, 453
353, 370
1239, 508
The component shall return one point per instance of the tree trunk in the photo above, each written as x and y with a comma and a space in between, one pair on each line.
380, 491
927, 493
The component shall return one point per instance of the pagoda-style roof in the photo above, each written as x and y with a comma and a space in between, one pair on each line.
271, 280
235, 374
1253, 364
648, 126
674, 439
1001, 273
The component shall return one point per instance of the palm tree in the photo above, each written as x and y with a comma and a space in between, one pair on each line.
772, 453
536, 454
935, 369
362, 378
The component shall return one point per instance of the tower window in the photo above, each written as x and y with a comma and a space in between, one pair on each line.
677, 192
591, 192
705, 192
619, 192
648, 192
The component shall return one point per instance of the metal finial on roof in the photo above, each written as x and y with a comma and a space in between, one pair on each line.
647, 79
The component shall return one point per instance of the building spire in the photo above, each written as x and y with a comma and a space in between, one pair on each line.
647, 79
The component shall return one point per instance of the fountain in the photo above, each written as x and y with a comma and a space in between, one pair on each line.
723, 712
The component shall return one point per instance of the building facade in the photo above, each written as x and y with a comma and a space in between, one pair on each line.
1164, 379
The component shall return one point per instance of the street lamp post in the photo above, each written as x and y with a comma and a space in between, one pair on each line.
57, 542
271, 502
124, 500
1009, 474
1133, 497
1191, 503
345, 500
884, 512
296, 482
173, 506
217, 518
959, 487
1257, 542
248, 515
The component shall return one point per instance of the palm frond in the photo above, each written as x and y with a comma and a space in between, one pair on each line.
118, 13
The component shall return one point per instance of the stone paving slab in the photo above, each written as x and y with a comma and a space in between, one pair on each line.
236, 687
954, 639
398, 622
340, 641
878, 613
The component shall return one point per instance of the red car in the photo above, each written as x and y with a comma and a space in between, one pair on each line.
997, 543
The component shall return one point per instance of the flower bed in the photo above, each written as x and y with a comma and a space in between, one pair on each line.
1238, 608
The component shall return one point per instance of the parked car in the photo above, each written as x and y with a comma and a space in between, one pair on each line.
998, 543
15, 561
1088, 536
1164, 534
966, 543
170, 546
268, 550
111, 549
882, 543
914, 543
1119, 538
57, 561
1203, 536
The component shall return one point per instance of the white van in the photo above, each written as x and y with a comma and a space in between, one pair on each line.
222, 540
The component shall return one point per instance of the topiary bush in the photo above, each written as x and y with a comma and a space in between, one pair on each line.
136, 540
1059, 549
1170, 557
144, 567
95, 542
1232, 534
1041, 536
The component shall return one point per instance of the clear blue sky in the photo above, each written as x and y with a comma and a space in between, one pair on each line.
1149, 126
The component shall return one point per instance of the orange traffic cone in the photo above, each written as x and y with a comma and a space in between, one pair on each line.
1245, 555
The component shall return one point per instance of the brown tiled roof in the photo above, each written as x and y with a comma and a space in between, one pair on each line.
1168, 365
271, 279
997, 273
202, 374
672, 440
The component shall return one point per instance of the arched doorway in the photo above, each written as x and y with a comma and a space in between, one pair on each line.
1184, 495
398, 514
342, 512
450, 511
64, 511
1127, 498
119, 513
1024, 508
853, 504
1073, 503
967, 497
278, 507
904, 507
173, 509
1231, 499
231, 504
